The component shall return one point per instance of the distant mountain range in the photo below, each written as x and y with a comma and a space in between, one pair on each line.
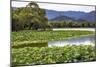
71, 16
66, 18
61, 18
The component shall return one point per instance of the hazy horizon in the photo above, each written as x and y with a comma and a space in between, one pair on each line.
57, 7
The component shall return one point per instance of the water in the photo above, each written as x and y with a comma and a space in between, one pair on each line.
84, 29
86, 40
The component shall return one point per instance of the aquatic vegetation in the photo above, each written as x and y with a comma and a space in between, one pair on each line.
51, 55
29, 36
31, 55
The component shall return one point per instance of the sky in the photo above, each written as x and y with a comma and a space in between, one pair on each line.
57, 7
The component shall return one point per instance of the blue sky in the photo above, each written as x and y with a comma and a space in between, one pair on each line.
57, 7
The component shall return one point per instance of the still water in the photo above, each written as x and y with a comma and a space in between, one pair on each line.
86, 40
82, 29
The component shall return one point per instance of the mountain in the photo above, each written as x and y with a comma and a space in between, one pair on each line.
65, 18
52, 14
91, 16
62, 18
76, 15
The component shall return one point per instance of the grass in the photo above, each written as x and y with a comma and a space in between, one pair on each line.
29, 36
52, 55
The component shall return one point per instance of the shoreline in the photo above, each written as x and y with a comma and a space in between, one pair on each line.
82, 29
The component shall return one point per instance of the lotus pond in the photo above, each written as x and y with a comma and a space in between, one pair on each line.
31, 47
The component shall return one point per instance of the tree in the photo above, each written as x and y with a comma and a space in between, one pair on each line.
30, 17
17, 23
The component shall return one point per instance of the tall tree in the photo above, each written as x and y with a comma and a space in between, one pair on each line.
31, 17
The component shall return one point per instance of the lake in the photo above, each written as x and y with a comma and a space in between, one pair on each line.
85, 40
84, 29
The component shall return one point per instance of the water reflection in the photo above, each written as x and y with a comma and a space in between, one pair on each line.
74, 41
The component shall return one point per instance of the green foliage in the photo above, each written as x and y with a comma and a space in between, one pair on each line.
64, 24
49, 55
29, 44
30, 37
29, 17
